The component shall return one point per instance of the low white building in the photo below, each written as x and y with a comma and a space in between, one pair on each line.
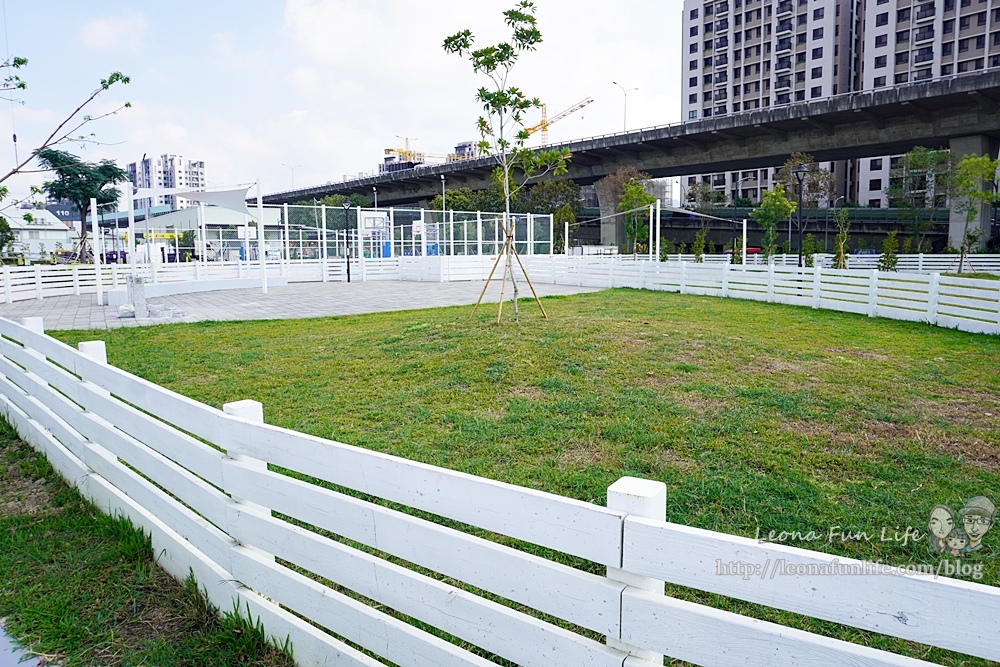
37, 233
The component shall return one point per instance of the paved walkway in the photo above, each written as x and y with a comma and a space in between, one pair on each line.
293, 301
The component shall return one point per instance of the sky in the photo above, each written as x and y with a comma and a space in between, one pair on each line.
304, 92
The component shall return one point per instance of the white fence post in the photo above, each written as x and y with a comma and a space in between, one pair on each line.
920, 263
725, 280
873, 294
642, 275
647, 499
816, 284
7, 293
932, 298
611, 272
38, 281
251, 411
94, 349
683, 285
770, 281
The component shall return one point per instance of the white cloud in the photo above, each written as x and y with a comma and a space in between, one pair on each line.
126, 31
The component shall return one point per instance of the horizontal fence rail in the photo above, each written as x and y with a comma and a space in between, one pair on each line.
342, 550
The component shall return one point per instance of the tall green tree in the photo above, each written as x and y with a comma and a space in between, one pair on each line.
973, 187
549, 196
609, 190
818, 185
634, 203
773, 208
922, 182
79, 182
704, 197
502, 128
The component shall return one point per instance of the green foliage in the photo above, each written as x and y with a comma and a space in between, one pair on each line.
818, 185
634, 202
79, 181
550, 196
698, 247
786, 246
502, 128
921, 183
703, 196
6, 233
737, 257
906, 245
974, 178
560, 218
890, 248
773, 208
808, 249
842, 218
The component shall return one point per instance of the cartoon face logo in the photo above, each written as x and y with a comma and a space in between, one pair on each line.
978, 516
956, 542
941, 523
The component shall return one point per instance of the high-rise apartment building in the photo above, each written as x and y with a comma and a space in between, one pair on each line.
167, 171
748, 54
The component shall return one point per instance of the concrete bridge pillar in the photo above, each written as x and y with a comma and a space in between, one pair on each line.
979, 145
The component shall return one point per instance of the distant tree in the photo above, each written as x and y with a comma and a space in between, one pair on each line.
560, 218
79, 182
6, 233
704, 197
818, 185
609, 189
698, 246
808, 249
922, 182
973, 182
634, 203
773, 208
550, 196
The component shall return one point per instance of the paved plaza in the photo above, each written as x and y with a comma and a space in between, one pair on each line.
292, 301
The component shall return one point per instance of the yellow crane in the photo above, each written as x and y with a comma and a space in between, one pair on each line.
543, 125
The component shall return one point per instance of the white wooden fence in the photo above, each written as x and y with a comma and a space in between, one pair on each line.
199, 481
961, 303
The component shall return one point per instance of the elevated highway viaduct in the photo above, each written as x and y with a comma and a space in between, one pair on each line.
959, 112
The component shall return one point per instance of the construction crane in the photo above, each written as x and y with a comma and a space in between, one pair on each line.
416, 157
543, 125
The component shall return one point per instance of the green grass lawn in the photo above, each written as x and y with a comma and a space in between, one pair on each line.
757, 417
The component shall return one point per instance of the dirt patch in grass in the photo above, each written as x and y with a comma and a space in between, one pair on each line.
981, 411
700, 403
864, 354
528, 393
973, 451
584, 456
20, 495
670, 458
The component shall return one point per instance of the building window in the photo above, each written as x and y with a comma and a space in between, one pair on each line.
707, 61
694, 14
817, 14
874, 203
692, 114
800, 77
693, 48
802, 20
880, 61
800, 39
902, 58
981, 19
964, 22
947, 48
875, 164
996, 39
948, 27
949, 5
817, 33
800, 58
966, 3
881, 19
946, 70
879, 82
963, 45
707, 97
900, 78
902, 36
903, 15
694, 31
693, 98
817, 72
816, 91
981, 42
881, 40
707, 79
817, 53
693, 64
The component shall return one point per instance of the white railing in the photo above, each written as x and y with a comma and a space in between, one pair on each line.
197, 479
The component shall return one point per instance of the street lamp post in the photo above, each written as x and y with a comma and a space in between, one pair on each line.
625, 109
347, 237
800, 175
375, 193
732, 216
293, 168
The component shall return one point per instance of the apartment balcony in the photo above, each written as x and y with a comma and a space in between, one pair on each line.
922, 74
785, 8
721, 26
783, 64
783, 82
922, 57
721, 80
783, 45
721, 8
923, 34
926, 14
784, 26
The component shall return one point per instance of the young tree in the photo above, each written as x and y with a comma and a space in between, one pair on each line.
634, 203
973, 187
502, 128
922, 182
79, 182
890, 249
698, 246
6, 234
842, 218
560, 218
773, 208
